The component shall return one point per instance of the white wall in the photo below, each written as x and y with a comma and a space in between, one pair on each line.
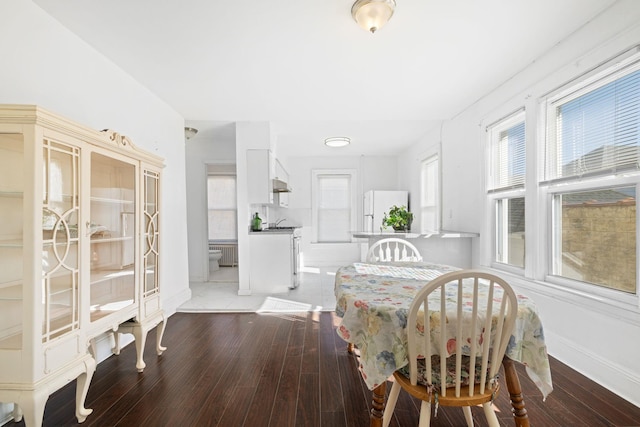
593, 336
374, 173
45, 64
200, 152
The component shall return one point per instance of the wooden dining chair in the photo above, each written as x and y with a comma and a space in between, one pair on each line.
393, 249
478, 320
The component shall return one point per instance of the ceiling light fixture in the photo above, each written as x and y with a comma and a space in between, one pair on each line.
338, 141
372, 14
190, 132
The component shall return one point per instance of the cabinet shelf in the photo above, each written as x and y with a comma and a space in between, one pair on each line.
110, 239
59, 290
11, 194
60, 321
64, 198
112, 201
105, 274
98, 311
11, 243
49, 243
11, 290
11, 342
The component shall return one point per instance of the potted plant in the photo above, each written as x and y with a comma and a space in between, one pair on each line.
398, 217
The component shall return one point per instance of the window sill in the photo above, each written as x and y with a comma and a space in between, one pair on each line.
605, 301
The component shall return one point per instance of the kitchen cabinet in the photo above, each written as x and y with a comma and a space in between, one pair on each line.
260, 174
281, 172
78, 252
272, 262
262, 169
281, 198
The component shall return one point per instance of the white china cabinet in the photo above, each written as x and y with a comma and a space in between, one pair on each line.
79, 253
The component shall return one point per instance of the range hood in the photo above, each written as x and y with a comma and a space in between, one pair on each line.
280, 186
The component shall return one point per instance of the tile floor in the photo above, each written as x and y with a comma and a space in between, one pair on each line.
315, 293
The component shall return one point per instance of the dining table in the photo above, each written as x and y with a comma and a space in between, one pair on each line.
372, 302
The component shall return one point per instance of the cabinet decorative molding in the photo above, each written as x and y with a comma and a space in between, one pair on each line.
121, 140
79, 253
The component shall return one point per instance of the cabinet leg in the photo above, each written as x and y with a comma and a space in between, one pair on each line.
116, 343
32, 408
139, 330
159, 333
82, 387
140, 336
17, 413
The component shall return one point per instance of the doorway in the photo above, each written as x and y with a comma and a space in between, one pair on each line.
222, 227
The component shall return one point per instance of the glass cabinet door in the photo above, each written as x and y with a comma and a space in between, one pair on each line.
150, 277
112, 231
60, 251
11, 240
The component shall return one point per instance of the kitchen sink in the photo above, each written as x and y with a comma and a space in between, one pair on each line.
279, 228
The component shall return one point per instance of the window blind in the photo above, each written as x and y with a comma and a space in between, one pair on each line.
222, 207
596, 130
334, 208
508, 154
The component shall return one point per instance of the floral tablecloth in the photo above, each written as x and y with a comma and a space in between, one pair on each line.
373, 302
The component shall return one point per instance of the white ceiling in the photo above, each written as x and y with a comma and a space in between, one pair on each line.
308, 68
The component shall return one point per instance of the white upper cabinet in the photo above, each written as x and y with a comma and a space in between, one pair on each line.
260, 174
262, 169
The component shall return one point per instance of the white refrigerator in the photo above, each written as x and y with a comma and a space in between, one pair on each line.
377, 203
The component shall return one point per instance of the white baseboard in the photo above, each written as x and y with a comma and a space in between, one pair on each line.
171, 303
104, 344
603, 371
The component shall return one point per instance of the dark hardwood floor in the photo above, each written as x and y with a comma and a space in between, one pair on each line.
281, 370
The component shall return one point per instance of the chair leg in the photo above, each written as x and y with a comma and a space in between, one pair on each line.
391, 404
425, 414
467, 415
490, 414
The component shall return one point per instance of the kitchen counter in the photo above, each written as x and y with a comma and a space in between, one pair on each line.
443, 247
282, 230
443, 234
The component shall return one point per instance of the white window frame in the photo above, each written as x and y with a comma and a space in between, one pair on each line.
570, 92
495, 192
549, 184
548, 192
235, 228
315, 175
425, 187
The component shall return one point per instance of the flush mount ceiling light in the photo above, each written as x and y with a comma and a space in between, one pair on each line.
190, 132
372, 14
338, 141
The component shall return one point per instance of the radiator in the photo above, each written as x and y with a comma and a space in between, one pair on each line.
229, 253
